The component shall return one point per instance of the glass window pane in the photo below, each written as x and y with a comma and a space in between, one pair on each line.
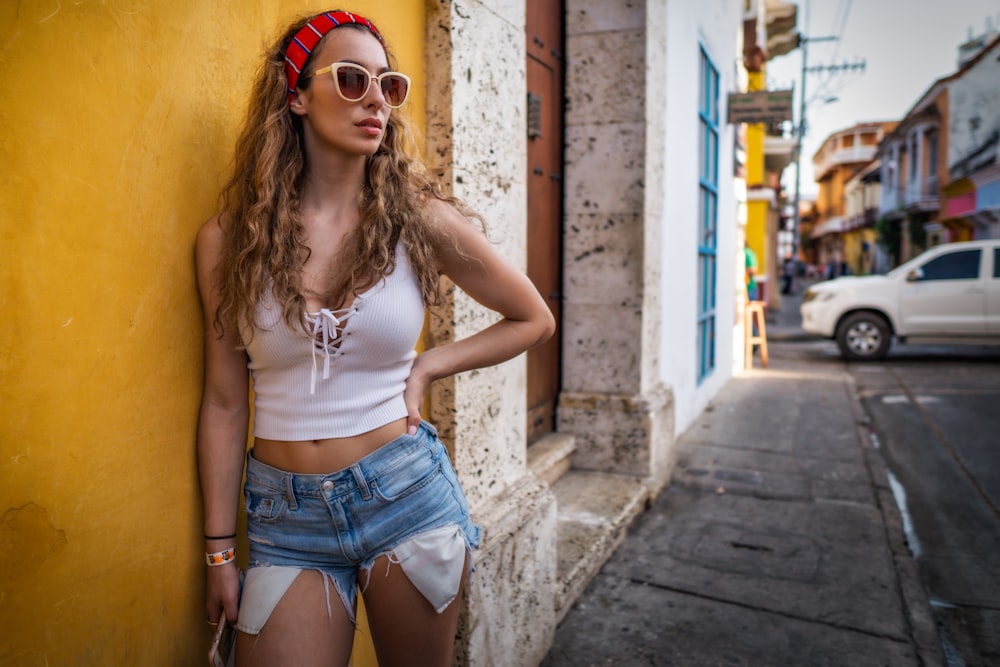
707, 164
702, 131
701, 283
714, 115
708, 229
961, 265
713, 155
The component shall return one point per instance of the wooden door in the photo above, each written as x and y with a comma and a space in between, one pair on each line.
544, 28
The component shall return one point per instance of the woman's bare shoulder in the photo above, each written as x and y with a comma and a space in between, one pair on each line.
449, 219
210, 236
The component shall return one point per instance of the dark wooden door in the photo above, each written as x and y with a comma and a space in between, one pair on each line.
545, 149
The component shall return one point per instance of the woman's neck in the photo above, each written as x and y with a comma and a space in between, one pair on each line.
333, 186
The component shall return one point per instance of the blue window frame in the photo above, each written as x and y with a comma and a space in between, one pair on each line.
708, 210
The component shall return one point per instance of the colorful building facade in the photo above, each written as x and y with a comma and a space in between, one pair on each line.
837, 238
940, 165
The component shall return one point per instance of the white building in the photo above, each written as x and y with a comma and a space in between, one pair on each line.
649, 262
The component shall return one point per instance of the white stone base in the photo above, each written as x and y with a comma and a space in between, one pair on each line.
509, 616
622, 434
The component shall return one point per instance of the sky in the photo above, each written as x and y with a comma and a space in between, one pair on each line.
906, 46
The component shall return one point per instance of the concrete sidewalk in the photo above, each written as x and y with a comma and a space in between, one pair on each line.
778, 541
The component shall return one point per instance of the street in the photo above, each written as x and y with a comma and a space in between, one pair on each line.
934, 414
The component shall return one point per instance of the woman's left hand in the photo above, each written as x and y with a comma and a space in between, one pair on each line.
417, 385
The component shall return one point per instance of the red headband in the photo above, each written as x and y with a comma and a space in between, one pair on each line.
308, 37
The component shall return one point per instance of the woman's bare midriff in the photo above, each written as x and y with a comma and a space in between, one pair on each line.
318, 457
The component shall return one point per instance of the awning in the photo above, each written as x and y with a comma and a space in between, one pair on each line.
960, 205
778, 152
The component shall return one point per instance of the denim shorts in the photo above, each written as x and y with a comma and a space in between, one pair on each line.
396, 501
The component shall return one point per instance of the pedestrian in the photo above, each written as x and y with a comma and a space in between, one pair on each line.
787, 274
314, 277
750, 272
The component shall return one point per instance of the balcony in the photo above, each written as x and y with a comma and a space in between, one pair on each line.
890, 203
778, 152
866, 219
922, 195
830, 226
830, 159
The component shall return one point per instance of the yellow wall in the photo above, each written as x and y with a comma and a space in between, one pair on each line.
756, 231
853, 249
115, 132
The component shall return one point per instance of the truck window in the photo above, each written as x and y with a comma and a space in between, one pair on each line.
960, 265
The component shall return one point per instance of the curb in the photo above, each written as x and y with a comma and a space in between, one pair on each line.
916, 604
792, 337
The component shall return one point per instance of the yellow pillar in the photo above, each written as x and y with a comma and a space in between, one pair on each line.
118, 125
756, 230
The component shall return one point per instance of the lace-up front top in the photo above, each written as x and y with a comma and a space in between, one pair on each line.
347, 375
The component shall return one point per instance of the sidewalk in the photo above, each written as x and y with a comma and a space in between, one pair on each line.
785, 325
777, 542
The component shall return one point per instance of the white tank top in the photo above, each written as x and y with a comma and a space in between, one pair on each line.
347, 380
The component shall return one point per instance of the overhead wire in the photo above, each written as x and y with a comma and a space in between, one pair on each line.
824, 88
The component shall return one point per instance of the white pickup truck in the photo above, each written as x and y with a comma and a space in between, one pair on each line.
950, 293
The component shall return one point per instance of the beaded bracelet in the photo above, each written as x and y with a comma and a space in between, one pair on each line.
219, 537
221, 557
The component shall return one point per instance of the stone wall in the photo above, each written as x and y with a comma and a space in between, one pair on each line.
476, 133
612, 399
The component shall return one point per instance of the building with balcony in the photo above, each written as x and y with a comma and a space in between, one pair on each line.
940, 168
862, 194
841, 157
912, 170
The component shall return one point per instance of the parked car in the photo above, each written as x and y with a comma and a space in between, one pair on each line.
950, 293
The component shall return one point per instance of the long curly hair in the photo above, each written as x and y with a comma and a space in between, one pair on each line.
264, 248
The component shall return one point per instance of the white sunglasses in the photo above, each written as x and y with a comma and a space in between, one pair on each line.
353, 81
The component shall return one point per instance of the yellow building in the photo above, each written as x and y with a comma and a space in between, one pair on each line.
839, 239
769, 31
118, 124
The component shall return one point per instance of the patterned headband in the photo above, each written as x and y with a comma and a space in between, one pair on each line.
308, 37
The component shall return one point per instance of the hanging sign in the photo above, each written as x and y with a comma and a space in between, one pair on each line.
760, 106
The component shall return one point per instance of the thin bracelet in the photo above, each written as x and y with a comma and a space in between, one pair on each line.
220, 537
221, 557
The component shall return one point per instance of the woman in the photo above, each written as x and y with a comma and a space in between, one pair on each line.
315, 275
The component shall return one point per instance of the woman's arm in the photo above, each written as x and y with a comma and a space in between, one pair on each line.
222, 427
473, 264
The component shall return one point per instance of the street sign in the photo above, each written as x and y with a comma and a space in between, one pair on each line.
760, 106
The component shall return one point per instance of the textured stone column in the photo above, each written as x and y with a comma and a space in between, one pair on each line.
476, 128
612, 399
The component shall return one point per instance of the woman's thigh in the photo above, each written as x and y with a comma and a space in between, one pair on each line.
406, 629
309, 626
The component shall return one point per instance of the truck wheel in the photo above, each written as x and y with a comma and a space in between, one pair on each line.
864, 336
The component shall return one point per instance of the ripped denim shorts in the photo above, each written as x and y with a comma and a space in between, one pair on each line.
402, 500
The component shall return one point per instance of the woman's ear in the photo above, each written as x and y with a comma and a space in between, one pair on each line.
297, 104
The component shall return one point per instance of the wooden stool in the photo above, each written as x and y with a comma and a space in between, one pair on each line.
754, 314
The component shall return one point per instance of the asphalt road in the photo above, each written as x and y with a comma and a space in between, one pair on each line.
934, 413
